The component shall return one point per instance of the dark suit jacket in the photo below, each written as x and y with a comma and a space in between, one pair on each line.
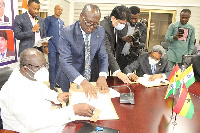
23, 31
6, 19
10, 53
142, 66
196, 66
110, 43
72, 53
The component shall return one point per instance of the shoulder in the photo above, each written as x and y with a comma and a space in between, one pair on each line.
191, 26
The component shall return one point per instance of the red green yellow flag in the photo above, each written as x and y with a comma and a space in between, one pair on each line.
184, 105
172, 81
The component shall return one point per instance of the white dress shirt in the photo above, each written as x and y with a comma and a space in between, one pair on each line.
25, 107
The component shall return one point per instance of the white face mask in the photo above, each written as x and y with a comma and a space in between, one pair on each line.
152, 61
120, 26
41, 75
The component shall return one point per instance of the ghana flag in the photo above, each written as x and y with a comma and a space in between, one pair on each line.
172, 81
184, 105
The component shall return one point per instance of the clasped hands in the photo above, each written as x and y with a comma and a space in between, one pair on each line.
91, 91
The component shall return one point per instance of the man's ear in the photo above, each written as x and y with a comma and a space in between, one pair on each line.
112, 18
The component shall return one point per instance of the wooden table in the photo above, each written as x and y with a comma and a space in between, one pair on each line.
150, 114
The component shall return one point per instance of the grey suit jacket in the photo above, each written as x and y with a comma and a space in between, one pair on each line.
110, 43
71, 48
142, 66
23, 31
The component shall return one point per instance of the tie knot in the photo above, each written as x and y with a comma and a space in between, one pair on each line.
2, 54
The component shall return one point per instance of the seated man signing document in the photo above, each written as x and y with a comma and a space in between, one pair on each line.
25, 100
151, 63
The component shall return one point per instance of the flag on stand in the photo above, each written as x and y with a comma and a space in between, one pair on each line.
24, 6
187, 77
184, 105
172, 81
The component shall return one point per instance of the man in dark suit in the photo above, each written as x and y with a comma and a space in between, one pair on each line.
116, 21
152, 63
53, 25
3, 18
129, 50
77, 65
28, 29
4, 51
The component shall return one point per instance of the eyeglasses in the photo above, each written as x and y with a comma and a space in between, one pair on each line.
88, 24
153, 57
46, 66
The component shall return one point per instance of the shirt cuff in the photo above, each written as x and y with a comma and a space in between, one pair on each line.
116, 71
129, 74
79, 79
164, 76
103, 74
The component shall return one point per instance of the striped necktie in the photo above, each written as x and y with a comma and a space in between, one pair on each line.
87, 74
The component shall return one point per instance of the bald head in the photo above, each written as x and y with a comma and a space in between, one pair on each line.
58, 11
90, 8
31, 56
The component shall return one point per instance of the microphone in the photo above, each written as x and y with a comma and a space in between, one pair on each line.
37, 21
126, 97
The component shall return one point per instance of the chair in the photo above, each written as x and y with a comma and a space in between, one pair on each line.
186, 60
4, 74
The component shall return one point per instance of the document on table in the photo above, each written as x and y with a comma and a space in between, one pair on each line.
103, 102
145, 81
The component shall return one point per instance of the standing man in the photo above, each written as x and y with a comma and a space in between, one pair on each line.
53, 25
181, 36
79, 44
116, 21
29, 28
3, 18
130, 50
4, 51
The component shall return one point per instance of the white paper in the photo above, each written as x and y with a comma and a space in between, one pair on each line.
103, 102
39, 42
145, 81
114, 93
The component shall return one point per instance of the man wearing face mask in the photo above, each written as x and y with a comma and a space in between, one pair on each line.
152, 63
26, 102
113, 23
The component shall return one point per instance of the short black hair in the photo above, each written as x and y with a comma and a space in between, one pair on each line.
186, 10
134, 9
120, 12
36, 1
3, 34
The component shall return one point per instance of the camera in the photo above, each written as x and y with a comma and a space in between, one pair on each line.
136, 37
181, 31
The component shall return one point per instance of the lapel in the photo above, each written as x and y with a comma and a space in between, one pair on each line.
79, 41
158, 66
147, 63
27, 20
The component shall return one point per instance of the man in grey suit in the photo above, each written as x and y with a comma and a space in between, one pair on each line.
152, 63
28, 29
3, 17
72, 47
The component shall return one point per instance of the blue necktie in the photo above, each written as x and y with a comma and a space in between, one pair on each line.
153, 69
87, 59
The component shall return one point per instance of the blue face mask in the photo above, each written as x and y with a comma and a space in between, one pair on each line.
120, 26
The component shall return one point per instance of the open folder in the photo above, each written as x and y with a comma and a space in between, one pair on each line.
103, 102
39, 42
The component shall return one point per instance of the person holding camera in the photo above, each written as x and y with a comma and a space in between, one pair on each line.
131, 39
181, 36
